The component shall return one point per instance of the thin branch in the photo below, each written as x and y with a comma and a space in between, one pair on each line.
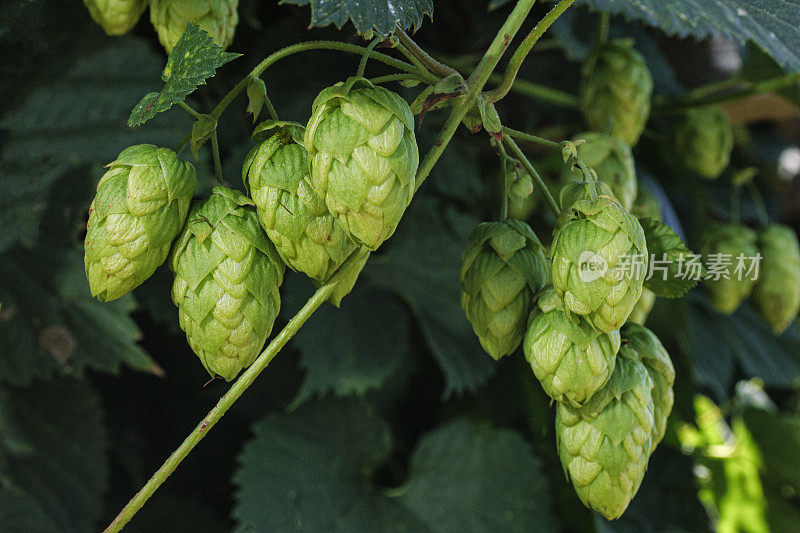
532, 171
747, 89
532, 138
429, 62
186, 107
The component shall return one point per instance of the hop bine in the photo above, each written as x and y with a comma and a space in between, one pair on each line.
776, 295
217, 17
732, 244
116, 17
139, 209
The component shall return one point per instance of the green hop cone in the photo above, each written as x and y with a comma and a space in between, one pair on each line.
617, 91
139, 209
611, 158
571, 360
725, 245
599, 260
502, 269
364, 157
296, 219
646, 204
604, 446
521, 200
776, 295
643, 345
217, 17
227, 275
703, 140
116, 17
643, 307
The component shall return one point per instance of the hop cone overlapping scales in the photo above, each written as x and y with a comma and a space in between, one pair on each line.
501, 270
617, 92
227, 276
727, 242
602, 227
364, 157
116, 17
571, 360
703, 139
217, 17
296, 219
776, 295
139, 209
611, 158
644, 346
605, 445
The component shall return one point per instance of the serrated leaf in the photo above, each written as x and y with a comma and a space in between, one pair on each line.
669, 257
367, 15
52, 457
193, 60
256, 96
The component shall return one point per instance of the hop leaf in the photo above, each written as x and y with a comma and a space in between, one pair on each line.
216, 17
140, 207
703, 140
670, 254
502, 269
776, 295
728, 242
116, 17
364, 157
227, 275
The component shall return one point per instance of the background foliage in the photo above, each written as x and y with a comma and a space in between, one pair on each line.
350, 429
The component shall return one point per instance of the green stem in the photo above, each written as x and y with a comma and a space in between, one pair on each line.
183, 143
758, 200
273, 113
748, 89
362, 65
532, 171
422, 56
504, 182
524, 48
217, 161
521, 135
602, 28
540, 92
414, 61
715, 87
186, 107
394, 77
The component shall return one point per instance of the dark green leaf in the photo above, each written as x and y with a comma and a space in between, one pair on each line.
669, 276
367, 15
759, 66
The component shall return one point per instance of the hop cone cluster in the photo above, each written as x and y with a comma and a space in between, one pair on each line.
599, 259
617, 92
604, 446
116, 17
571, 360
227, 275
703, 139
296, 219
729, 243
217, 17
364, 157
776, 295
140, 207
611, 158
502, 269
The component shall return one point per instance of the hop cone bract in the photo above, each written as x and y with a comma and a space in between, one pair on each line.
572, 360
728, 246
217, 17
503, 267
364, 157
227, 275
604, 446
646, 204
703, 139
643, 306
617, 92
140, 207
776, 295
611, 158
116, 16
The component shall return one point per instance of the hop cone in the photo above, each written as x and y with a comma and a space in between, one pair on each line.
611, 158
116, 17
572, 360
227, 275
521, 200
703, 139
295, 218
646, 204
501, 270
604, 446
644, 346
727, 243
617, 91
364, 157
776, 295
643, 307
599, 260
217, 17
139, 209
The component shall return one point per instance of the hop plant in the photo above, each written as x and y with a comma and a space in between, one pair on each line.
502, 269
521, 200
139, 209
776, 295
599, 259
116, 17
646, 204
730, 243
643, 306
571, 360
703, 140
604, 446
616, 91
612, 160
227, 275
643, 345
217, 17
364, 157
296, 219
